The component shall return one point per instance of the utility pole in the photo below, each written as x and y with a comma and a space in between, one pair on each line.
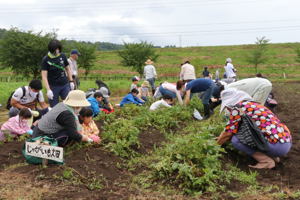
180, 44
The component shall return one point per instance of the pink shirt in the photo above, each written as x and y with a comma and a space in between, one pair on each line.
15, 126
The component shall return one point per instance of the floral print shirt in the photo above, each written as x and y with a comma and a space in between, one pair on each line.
273, 130
90, 129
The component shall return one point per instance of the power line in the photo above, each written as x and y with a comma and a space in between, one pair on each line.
78, 8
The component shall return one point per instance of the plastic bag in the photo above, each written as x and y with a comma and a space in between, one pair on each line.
197, 115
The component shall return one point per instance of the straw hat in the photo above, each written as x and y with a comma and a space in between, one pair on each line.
76, 98
149, 62
146, 84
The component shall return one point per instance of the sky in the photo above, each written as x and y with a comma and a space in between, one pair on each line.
161, 22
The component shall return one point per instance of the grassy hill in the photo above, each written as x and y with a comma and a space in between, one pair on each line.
281, 59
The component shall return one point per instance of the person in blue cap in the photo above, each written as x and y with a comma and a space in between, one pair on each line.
73, 66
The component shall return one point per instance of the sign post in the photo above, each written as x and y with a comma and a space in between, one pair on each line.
46, 152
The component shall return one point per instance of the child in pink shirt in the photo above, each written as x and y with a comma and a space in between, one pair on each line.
17, 125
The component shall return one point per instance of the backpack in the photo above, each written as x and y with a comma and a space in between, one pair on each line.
8, 105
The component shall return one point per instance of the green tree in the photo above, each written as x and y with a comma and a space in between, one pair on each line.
87, 52
22, 52
135, 54
87, 56
258, 55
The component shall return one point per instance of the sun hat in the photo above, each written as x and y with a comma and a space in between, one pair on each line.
232, 96
149, 62
76, 98
145, 84
104, 92
228, 60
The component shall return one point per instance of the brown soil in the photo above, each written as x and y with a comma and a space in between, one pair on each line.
95, 166
286, 174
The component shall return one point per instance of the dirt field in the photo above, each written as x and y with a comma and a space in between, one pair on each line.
95, 173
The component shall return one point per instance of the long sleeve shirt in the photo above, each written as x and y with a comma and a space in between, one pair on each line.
129, 98
149, 72
15, 126
158, 104
171, 87
94, 106
187, 72
90, 129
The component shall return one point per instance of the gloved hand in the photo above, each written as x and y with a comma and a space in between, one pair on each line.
95, 138
89, 140
72, 85
29, 132
50, 94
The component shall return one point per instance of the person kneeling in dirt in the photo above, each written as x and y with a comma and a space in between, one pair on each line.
89, 128
166, 101
28, 97
95, 101
277, 135
132, 98
61, 122
18, 125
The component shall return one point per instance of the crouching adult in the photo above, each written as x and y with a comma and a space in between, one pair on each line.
277, 135
61, 122
28, 97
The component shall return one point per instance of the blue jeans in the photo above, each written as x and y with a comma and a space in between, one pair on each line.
59, 91
164, 91
152, 81
208, 94
275, 150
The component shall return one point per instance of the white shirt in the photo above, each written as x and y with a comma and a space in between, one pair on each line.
250, 85
158, 104
187, 72
229, 69
28, 98
172, 88
73, 66
149, 72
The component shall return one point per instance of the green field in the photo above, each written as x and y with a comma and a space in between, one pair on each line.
281, 58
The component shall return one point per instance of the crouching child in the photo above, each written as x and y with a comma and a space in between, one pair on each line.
166, 101
18, 125
131, 97
89, 128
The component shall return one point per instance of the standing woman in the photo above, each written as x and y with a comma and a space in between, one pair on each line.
230, 71
56, 73
277, 135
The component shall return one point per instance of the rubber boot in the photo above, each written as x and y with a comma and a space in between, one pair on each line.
206, 111
264, 161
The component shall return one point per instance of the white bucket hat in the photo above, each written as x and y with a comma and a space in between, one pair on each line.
231, 97
228, 60
76, 98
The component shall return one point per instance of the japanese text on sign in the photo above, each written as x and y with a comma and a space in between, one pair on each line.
44, 151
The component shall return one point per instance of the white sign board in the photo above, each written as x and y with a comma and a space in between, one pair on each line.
44, 151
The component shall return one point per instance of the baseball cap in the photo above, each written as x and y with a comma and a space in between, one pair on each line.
75, 51
104, 92
135, 78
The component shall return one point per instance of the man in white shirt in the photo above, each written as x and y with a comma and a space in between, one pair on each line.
28, 97
258, 88
230, 71
187, 72
74, 68
150, 74
166, 101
